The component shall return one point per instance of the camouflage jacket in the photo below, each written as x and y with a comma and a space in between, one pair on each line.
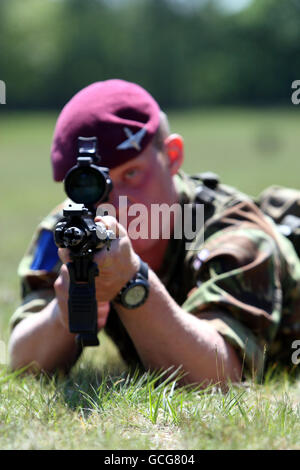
240, 275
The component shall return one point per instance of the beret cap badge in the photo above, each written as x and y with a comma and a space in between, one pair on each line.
133, 140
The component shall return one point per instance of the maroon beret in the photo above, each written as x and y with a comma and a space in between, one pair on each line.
121, 114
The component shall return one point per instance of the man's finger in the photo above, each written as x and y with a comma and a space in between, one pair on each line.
108, 221
111, 223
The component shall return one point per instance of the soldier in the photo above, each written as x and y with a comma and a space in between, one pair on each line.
216, 310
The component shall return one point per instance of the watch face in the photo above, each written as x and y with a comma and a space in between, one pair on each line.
135, 295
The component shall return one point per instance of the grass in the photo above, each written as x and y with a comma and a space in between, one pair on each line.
101, 406
129, 412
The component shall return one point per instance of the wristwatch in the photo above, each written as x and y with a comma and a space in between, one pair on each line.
136, 291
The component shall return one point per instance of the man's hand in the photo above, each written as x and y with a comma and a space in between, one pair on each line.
116, 267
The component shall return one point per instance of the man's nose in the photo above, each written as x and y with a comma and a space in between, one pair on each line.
120, 200
114, 198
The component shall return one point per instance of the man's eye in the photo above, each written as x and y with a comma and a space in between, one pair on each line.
130, 174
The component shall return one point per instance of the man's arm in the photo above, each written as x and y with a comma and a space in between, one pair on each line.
163, 333
43, 341
166, 335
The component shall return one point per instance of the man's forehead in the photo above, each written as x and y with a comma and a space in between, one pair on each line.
145, 157
122, 115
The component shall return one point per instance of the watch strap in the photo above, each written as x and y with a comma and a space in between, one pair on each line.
143, 269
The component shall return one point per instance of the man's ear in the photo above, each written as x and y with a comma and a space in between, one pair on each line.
174, 149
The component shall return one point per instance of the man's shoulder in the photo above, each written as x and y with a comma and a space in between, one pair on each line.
230, 218
40, 264
39, 268
207, 187
51, 219
205, 190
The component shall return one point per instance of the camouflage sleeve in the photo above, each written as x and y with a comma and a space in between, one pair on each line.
238, 282
38, 269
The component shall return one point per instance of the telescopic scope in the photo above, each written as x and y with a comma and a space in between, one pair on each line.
86, 182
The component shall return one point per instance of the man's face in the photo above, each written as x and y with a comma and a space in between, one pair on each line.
147, 180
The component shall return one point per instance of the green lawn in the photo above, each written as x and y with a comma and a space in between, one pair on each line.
98, 406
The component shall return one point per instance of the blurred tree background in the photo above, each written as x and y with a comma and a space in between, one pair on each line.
186, 53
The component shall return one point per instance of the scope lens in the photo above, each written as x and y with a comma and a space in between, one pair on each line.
85, 185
